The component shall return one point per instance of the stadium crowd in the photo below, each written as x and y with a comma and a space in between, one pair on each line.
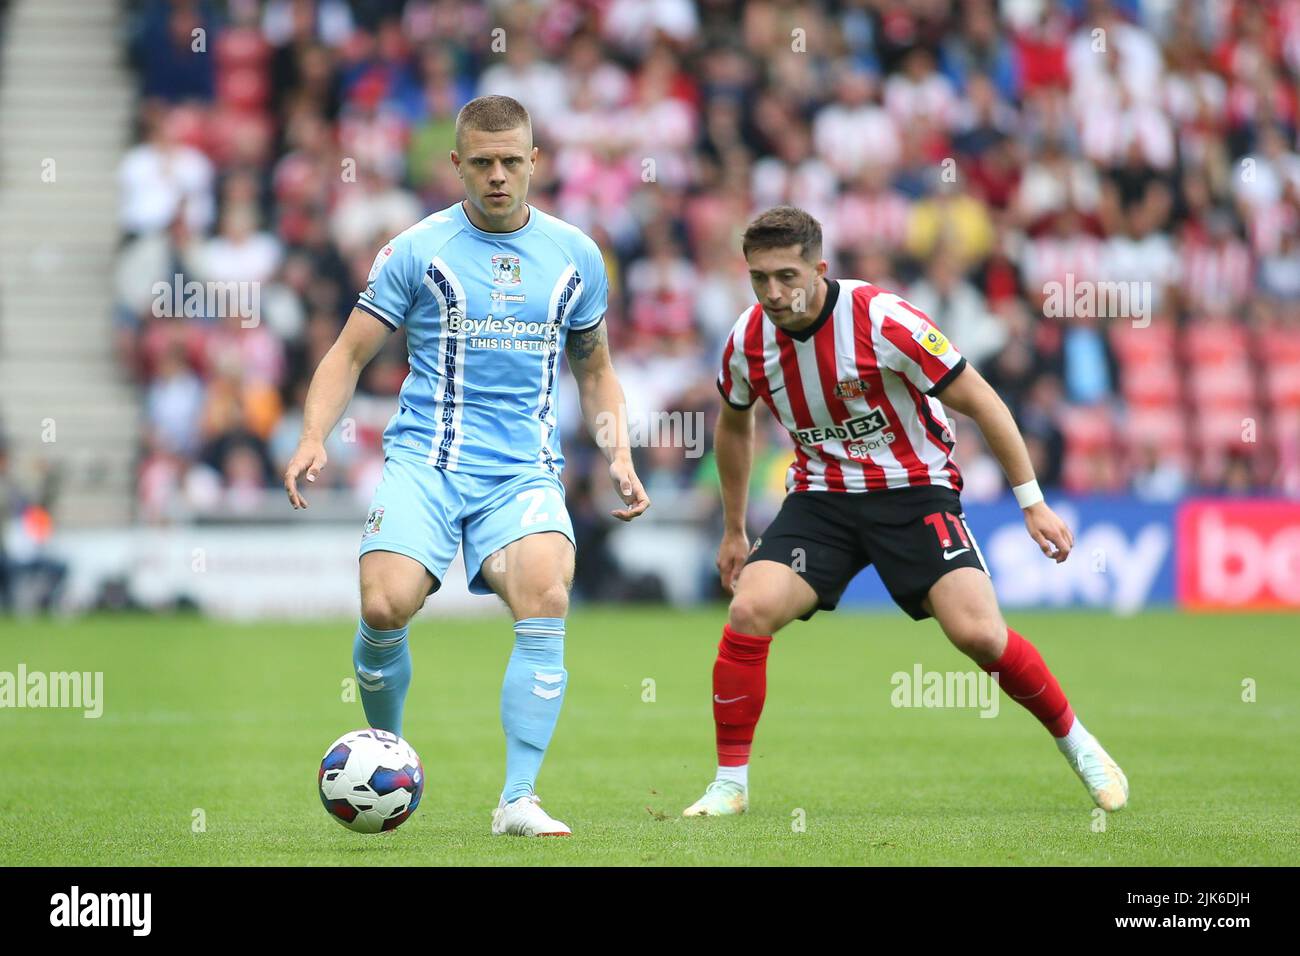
977, 157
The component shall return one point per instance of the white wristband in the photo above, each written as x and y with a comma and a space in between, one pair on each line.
1028, 494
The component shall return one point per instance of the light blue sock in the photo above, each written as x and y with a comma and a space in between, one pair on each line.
531, 696
383, 664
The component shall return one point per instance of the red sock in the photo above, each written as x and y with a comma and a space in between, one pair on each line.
1023, 674
739, 688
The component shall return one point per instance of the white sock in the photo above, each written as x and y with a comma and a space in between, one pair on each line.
738, 775
1077, 736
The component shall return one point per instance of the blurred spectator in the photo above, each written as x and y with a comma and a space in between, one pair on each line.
958, 309
1044, 438
1279, 272
164, 48
163, 177
853, 129
525, 76
26, 527
239, 252
173, 403
1157, 477
662, 286
1218, 272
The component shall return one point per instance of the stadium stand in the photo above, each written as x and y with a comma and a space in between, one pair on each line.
968, 154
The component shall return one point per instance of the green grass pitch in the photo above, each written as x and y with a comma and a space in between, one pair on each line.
232, 720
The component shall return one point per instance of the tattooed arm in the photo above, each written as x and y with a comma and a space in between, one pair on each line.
604, 409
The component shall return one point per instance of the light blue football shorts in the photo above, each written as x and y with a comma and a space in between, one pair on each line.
425, 512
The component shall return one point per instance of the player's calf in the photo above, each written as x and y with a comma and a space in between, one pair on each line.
393, 587
532, 574
964, 604
768, 596
382, 661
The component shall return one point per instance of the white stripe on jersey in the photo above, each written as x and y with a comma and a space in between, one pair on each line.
974, 544
846, 369
545, 411
900, 397
446, 340
897, 395
778, 388
806, 358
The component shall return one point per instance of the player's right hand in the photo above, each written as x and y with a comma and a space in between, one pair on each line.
1050, 533
731, 558
309, 458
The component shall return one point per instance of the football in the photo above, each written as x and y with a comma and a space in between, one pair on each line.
371, 780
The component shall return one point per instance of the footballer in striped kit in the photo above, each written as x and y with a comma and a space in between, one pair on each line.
859, 378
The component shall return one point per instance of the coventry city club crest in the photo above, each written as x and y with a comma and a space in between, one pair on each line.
505, 269
373, 521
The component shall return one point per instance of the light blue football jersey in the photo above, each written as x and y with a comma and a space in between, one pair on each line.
486, 316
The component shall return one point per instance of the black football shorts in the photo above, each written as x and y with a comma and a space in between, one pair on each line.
913, 536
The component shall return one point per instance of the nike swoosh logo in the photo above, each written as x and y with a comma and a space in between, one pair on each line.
773, 391
719, 700
949, 555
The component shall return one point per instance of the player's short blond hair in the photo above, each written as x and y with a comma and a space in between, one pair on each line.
783, 226
493, 114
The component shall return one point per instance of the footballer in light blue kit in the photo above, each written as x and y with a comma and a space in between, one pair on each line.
489, 292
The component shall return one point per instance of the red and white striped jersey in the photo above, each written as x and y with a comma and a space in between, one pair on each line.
854, 390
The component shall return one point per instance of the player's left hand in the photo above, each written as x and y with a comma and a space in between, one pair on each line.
1051, 534
628, 486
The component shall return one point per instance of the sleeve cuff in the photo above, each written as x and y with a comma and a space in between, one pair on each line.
366, 307
739, 408
944, 382
588, 328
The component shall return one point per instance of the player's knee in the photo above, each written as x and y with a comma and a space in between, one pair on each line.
549, 601
382, 611
982, 637
752, 613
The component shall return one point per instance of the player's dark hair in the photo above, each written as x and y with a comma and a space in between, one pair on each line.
492, 114
783, 226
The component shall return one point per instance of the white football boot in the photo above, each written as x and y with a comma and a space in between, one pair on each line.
525, 817
722, 798
1100, 774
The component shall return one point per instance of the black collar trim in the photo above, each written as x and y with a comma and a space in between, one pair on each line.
832, 296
